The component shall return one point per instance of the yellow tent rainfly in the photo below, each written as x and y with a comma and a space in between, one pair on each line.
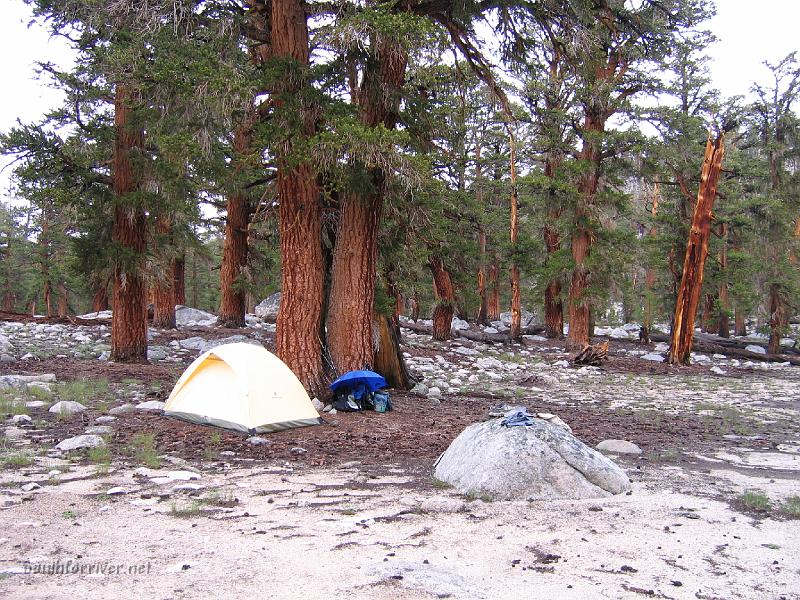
241, 387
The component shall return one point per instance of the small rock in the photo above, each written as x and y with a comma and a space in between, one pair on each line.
420, 389
34, 404
122, 409
29, 487
21, 419
434, 392
317, 404
14, 433
488, 363
257, 441
718, 371
442, 505
298, 450
327, 408
756, 349
116, 491
618, 447
150, 405
81, 441
188, 487
105, 419
67, 407
653, 357
100, 430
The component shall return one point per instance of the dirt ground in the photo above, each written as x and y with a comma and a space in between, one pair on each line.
350, 508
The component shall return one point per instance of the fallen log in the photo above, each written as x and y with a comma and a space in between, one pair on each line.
702, 345
475, 336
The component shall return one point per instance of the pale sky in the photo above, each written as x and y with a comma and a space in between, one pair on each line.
749, 33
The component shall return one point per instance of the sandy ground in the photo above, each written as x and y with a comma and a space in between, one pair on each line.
279, 532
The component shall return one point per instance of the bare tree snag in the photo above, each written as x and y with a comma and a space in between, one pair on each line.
696, 253
443, 289
129, 323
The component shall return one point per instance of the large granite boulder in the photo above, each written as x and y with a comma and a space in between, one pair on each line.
187, 316
540, 461
267, 309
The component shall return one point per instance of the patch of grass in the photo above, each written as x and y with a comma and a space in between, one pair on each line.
212, 447
755, 501
186, 511
16, 460
12, 405
39, 393
438, 483
223, 499
142, 448
474, 495
69, 515
82, 390
668, 455
511, 357
791, 508
100, 455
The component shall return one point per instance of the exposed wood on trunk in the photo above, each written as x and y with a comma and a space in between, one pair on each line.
100, 298
777, 317
232, 306
696, 253
592, 355
297, 339
445, 295
739, 324
129, 323
388, 360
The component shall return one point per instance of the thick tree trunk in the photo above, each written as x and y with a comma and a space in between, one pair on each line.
233, 306
696, 253
443, 289
353, 284
129, 324
582, 236
352, 294
299, 322
179, 279
553, 305
483, 308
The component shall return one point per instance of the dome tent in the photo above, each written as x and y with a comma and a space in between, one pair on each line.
241, 387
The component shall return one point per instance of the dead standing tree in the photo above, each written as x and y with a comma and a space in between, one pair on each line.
696, 253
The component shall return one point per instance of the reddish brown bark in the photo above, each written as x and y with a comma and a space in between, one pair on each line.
353, 284
352, 294
129, 323
179, 279
100, 298
299, 325
445, 294
696, 253
163, 290
387, 360
777, 318
233, 304
483, 308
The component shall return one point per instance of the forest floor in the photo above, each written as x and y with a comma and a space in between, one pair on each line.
167, 509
